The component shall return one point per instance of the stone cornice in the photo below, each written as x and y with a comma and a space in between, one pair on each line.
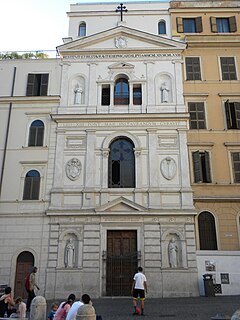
30, 99
216, 40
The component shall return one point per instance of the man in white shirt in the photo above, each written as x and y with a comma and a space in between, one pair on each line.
139, 287
73, 310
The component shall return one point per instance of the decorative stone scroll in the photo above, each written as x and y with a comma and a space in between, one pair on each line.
73, 169
168, 168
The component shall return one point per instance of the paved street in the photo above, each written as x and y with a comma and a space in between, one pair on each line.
200, 308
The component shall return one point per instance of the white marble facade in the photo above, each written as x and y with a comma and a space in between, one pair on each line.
78, 206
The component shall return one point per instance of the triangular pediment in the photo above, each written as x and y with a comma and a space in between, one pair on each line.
121, 205
120, 65
120, 39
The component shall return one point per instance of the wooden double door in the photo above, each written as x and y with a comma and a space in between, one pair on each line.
25, 262
122, 260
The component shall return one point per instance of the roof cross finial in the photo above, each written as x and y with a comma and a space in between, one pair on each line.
121, 8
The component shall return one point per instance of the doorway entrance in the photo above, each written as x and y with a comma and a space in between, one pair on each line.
122, 261
25, 262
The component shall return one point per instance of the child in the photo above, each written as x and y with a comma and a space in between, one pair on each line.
53, 311
21, 311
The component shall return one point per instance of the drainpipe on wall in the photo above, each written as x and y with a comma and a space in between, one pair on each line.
7, 131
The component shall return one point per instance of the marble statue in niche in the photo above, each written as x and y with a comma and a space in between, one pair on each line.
69, 257
164, 92
78, 91
172, 253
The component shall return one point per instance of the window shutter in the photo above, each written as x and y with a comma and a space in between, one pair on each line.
30, 84
40, 132
196, 166
35, 188
207, 164
44, 84
237, 113
232, 24
228, 115
32, 136
179, 25
27, 189
213, 24
198, 21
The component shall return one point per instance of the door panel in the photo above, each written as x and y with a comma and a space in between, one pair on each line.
25, 262
121, 261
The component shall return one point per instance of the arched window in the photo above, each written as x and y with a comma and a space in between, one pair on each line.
36, 133
82, 29
162, 27
31, 185
121, 164
121, 92
207, 231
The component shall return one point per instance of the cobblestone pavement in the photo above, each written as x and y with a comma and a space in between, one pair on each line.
200, 308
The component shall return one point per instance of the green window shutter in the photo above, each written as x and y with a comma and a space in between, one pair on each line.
213, 21
198, 22
30, 84
237, 114
196, 166
44, 84
179, 25
232, 24
228, 115
207, 166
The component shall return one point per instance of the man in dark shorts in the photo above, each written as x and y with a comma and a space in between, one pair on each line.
139, 287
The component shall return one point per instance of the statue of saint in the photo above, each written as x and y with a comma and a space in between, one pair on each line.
78, 95
164, 92
172, 251
69, 258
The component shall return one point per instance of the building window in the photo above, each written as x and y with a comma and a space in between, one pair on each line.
236, 166
201, 167
137, 94
223, 24
228, 68
189, 25
121, 92
82, 30
193, 71
31, 185
36, 134
162, 27
197, 115
207, 231
37, 84
121, 164
105, 95
232, 110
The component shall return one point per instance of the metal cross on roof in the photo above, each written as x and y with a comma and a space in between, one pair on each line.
121, 8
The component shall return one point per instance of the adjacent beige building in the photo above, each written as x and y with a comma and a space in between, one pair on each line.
211, 80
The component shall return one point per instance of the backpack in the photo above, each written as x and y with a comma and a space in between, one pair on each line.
27, 282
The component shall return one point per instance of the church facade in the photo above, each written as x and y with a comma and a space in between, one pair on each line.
95, 170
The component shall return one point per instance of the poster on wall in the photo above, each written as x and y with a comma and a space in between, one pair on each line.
210, 265
224, 278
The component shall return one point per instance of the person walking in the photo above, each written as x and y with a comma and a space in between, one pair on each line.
139, 288
32, 285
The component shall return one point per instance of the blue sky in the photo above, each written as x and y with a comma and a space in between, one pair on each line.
27, 25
